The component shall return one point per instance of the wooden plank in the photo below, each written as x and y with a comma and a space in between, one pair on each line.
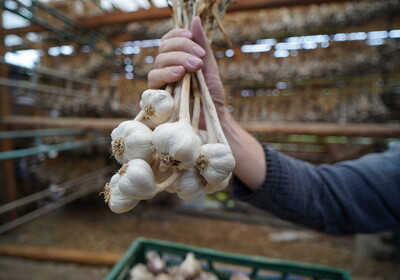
154, 13
60, 255
323, 129
7, 176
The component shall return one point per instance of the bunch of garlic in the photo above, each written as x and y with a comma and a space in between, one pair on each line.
176, 155
156, 269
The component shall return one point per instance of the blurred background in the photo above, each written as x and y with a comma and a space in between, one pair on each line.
317, 80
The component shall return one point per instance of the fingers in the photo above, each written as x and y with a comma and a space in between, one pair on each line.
159, 77
177, 54
181, 44
190, 62
177, 32
201, 39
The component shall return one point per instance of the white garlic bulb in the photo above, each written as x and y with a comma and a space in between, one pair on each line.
137, 180
154, 262
140, 272
215, 163
190, 268
130, 140
120, 203
189, 186
117, 201
177, 144
158, 105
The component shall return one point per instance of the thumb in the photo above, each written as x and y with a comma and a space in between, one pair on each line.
199, 36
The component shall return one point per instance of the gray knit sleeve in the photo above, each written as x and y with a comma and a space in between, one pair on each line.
356, 196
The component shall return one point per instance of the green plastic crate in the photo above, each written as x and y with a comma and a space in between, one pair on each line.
224, 264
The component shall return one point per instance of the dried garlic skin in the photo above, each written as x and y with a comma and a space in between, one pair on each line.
177, 144
189, 185
215, 163
131, 140
138, 180
158, 105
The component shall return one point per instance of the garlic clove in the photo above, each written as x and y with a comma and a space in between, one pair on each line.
215, 163
140, 272
131, 140
120, 203
158, 105
177, 144
137, 180
189, 186
190, 268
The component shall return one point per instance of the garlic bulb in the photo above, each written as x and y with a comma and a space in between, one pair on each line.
177, 144
190, 268
215, 163
137, 180
154, 262
130, 140
140, 272
120, 203
158, 105
189, 186
207, 276
117, 201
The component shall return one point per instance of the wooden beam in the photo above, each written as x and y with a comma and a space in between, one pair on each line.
323, 129
154, 13
7, 174
61, 255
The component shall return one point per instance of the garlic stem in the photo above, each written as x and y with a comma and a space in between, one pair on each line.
184, 114
170, 88
168, 182
139, 116
210, 107
177, 100
196, 107
211, 134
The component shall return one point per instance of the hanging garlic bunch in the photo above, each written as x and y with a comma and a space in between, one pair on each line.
176, 156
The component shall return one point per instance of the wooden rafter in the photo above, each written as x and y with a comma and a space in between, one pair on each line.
322, 129
154, 13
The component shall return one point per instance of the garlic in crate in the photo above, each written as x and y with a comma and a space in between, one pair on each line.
154, 262
190, 268
140, 272
157, 105
131, 140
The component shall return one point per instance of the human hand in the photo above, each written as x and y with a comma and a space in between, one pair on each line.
184, 51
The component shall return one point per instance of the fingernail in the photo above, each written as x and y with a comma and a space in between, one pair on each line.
198, 51
194, 61
176, 70
186, 34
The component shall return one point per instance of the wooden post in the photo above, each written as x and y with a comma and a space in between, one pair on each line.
7, 173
